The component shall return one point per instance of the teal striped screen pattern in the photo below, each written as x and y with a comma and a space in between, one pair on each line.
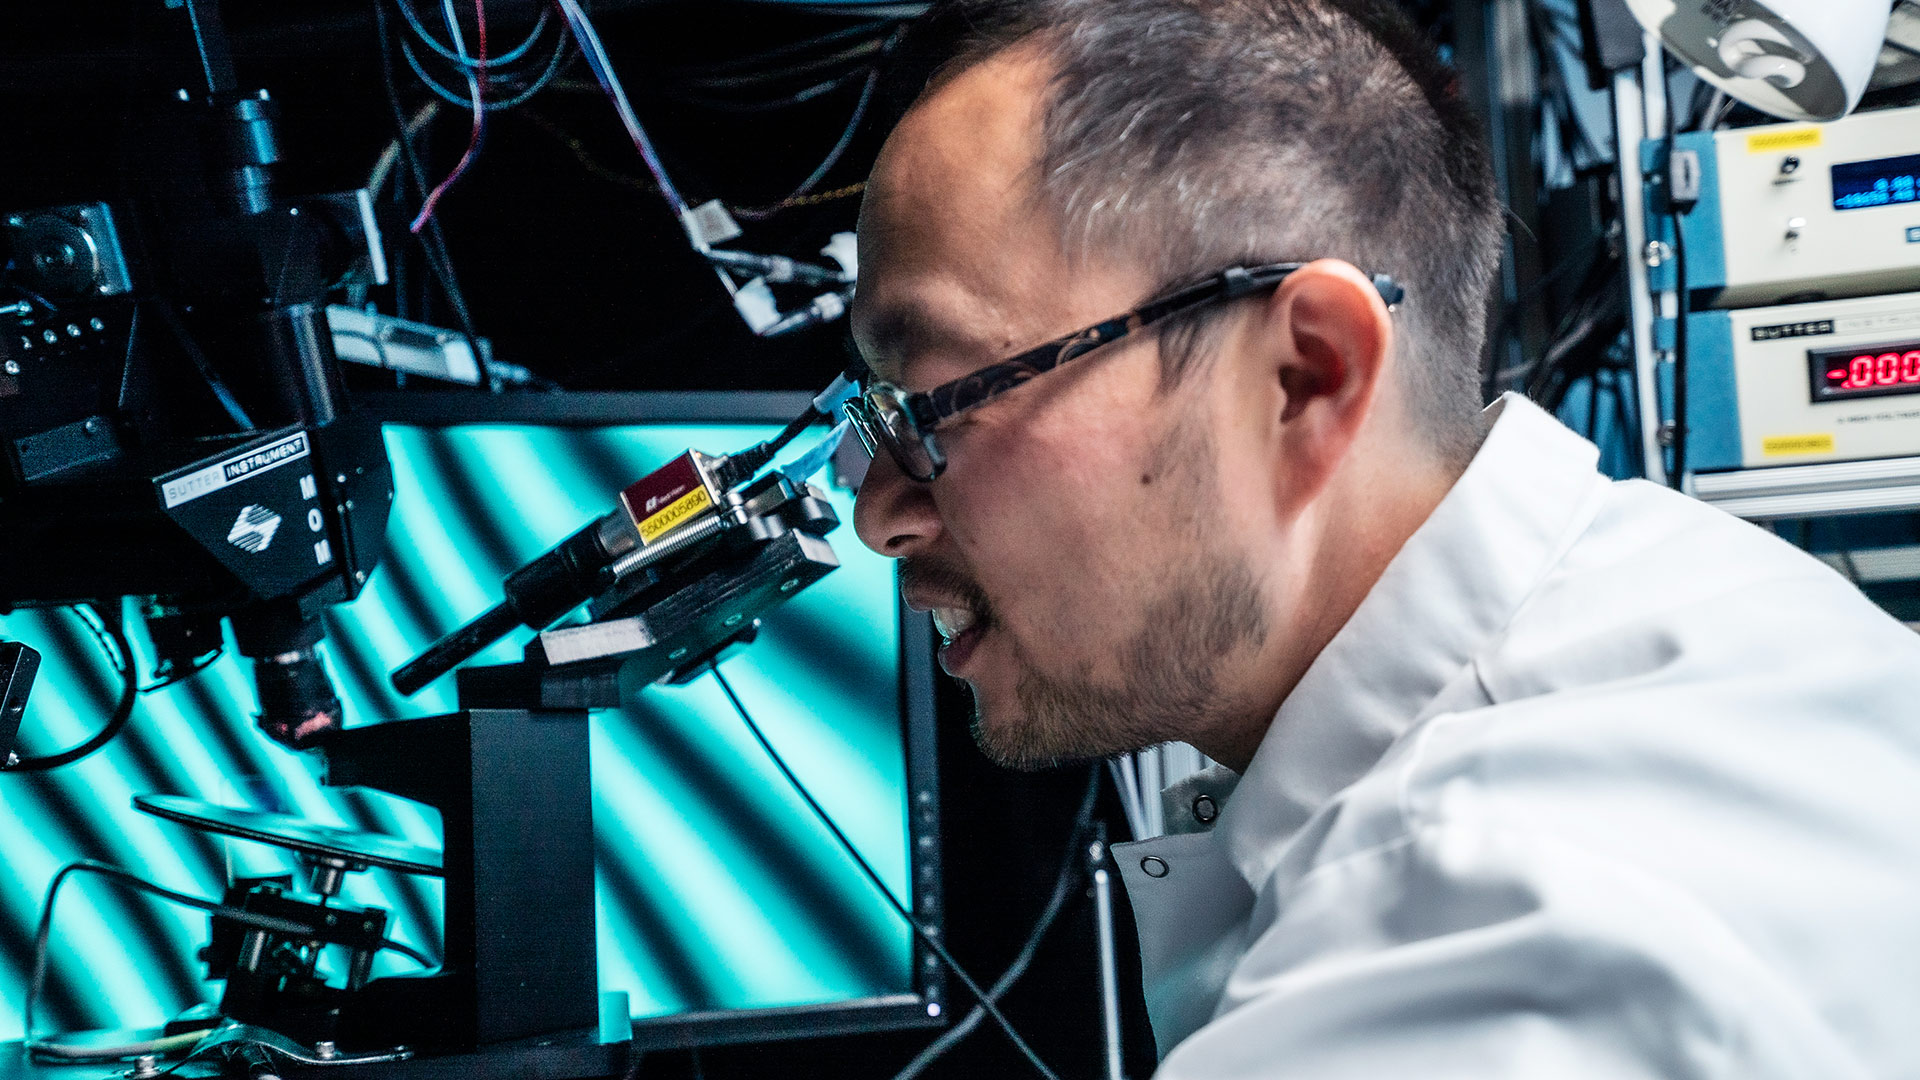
718, 889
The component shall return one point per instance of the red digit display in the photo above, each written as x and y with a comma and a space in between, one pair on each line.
1865, 370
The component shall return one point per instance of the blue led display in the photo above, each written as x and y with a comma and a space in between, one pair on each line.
717, 888
1881, 182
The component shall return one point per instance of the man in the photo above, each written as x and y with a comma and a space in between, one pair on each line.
1537, 775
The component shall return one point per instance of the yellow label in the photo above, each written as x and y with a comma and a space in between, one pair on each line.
1787, 445
1796, 139
674, 513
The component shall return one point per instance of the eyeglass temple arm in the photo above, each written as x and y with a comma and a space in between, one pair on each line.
1236, 282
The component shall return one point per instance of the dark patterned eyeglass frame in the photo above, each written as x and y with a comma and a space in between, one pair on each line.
920, 414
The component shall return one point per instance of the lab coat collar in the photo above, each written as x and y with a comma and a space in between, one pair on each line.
1528, 493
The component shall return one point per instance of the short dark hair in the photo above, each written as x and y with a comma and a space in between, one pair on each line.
1194, 134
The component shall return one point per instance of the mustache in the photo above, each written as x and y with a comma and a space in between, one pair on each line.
925, 575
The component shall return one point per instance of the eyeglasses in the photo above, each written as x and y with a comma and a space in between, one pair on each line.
884, 415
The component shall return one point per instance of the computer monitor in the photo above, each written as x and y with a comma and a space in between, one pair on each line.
726, 911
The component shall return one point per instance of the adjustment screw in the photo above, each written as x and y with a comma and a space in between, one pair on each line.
182, 94
145, 1067
324, 1049
12, 759
13, 367
1789, 164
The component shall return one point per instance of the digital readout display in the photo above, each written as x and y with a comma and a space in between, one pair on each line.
1865, 370
1882, 182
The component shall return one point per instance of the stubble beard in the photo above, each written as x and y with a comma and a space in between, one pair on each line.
1173, 684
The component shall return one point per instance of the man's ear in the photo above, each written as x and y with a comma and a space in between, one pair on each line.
1326, 340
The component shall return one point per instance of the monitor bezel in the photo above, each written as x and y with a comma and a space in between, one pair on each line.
925, 1006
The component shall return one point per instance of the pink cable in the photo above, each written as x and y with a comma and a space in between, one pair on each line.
478, 79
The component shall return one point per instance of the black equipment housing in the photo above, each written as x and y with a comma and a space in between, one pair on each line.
173, 423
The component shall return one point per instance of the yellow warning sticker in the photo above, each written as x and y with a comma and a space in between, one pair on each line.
1772, 141
1788, 445
674, 514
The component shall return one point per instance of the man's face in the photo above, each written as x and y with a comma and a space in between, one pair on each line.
1080, 552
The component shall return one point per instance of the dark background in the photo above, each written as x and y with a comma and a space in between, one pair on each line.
573, 267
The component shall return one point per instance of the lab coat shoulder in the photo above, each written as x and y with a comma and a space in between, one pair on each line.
1662, 588
1476, 949
1669, 835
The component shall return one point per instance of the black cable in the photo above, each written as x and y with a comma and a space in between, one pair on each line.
1842, 550
833, 156
193, 669
1625, 405
1676, 478
202, 364
1062, 888
926, 937
1533, 294
741, 467
901, 11
433, 241
116, 722
1598, 304
751, 61
804, 69
759, 105
43, 936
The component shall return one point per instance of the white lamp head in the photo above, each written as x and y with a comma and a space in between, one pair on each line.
1796, 59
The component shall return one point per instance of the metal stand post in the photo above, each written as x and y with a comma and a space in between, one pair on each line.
1099, 870
1629, 127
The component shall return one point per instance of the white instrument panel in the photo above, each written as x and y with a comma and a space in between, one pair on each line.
1820, 210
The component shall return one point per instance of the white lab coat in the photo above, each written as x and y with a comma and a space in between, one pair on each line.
1597, 782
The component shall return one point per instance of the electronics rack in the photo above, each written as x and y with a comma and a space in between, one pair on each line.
1782, 269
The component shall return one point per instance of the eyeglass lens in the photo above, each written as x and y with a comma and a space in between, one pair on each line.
878, 417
